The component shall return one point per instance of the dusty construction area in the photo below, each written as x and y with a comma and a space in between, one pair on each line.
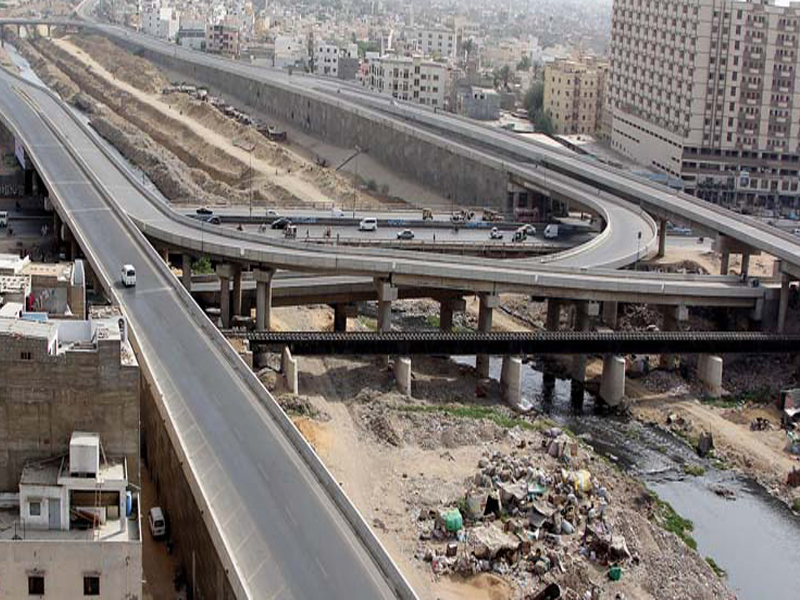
407, 463
192, 152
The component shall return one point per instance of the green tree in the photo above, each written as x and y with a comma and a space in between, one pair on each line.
524, 64
542, 123
534, 98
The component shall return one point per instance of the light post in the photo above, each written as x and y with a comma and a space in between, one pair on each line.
355, 179
251, 181
638, 247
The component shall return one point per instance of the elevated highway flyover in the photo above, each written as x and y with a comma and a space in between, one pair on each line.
279, 522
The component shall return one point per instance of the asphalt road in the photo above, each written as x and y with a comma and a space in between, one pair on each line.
285, 535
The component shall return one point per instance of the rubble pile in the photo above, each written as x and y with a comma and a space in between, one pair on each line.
665, 382
761, 376
526, 521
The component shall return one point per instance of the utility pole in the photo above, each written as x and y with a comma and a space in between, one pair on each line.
355, 179
251, 181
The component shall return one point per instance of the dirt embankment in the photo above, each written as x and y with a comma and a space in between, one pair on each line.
192, 152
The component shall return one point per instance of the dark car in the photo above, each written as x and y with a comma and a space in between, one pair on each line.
280, 223
406, 234
204, 211
213, 221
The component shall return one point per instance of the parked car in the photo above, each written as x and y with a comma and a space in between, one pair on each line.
368, 224
281, 223
204, 211
157, 522
128, 276
406, 234
495, 234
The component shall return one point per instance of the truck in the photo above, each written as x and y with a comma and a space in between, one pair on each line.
3, 218
551, 231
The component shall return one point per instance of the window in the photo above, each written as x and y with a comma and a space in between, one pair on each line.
35, 508
25, 356
91, 585
36, 585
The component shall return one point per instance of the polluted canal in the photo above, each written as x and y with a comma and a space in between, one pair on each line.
753, 537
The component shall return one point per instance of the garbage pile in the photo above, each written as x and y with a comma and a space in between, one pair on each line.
524, 521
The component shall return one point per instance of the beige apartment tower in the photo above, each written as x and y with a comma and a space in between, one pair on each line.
574, 95
706, 90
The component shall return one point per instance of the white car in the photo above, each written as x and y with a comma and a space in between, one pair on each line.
271, 212
337, 213
495, 234
128, 276
158, 525
368, 224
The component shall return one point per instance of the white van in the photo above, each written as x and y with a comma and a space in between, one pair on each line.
337, 213
158, 526
368, 224
551, 232
128, 277
3, 218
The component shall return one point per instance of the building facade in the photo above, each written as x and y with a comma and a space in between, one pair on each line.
59, 375
409, 78
222, 39
436, 41
707, 90
328, 55
574, 95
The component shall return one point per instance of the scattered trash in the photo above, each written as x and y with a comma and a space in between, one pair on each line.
793, 478
615, 573
760, 424
793, 443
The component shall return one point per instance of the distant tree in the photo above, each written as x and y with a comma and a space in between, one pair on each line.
524, 64
542, 123
505, 75
534, 98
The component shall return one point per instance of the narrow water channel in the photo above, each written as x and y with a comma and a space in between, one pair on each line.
755, 538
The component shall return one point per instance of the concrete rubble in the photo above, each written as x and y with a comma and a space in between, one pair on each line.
524, 521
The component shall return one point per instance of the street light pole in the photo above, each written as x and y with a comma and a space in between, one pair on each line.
251, 181
355, 179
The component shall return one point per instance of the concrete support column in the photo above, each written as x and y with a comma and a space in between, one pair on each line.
225, 273
610, 311
553, 314
745, 270
581, 324
612, 382
237, 289
725, 262
448, 308
783, 306
263, 279
709, 372
402, 375
164, 252
290, 371
73, 247
186, 272
671, 314
340, 317
488, 302
511, 380
662, 238
386, 294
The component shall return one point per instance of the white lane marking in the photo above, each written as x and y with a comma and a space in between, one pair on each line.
77, 211
289, 514
154, 290
321, 568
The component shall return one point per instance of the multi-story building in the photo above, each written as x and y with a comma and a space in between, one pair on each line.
327, 56
75, 530
706, 90
290, 51
574, 95
409, 78
436, 41
159, 21
192, 34
222, 38
478, 103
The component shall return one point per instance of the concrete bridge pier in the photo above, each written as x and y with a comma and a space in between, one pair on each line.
662, 238
225, 274
553, 314
488, 302
583, 311
387, 293
164, 252
709, 372
672, 315
447, 309
511, 380
727, 246
186, 271
290, 371
610, 312
612, 382
783, 303
263, 279
237, 289
402, 375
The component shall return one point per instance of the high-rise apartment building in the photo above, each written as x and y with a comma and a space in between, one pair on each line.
574, 95
409, 78
706, 90
436, 41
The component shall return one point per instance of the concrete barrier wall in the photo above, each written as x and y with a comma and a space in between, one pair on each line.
469, 181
